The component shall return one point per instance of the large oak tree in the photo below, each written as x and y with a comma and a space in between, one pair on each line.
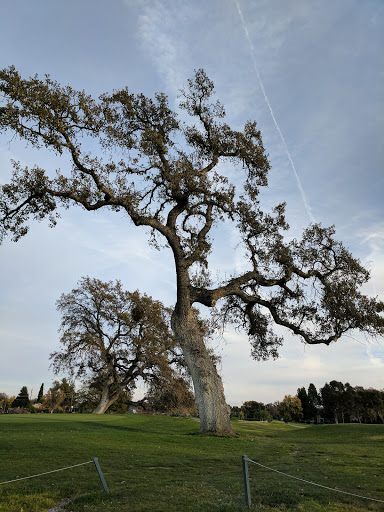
167, 176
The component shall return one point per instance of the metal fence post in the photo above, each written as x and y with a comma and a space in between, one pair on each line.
104, 483
247, 489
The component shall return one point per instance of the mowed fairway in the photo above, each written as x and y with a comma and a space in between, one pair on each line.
157, 463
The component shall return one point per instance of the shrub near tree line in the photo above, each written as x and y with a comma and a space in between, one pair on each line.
290, 409
254, 411
5, 403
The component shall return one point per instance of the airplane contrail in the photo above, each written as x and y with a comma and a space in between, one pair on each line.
303, 196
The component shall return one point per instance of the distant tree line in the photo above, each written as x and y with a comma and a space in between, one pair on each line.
58, 398
289, 409
168, 395
335, 402
345, 403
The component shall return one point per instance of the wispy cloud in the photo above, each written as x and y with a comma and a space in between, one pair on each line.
255, 65
375, 359
160, 31
373, 240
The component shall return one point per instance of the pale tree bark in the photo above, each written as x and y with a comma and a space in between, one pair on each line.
209, 392
106, 399
104, 404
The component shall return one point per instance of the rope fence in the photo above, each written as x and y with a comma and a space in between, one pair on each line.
95, 461
245, 461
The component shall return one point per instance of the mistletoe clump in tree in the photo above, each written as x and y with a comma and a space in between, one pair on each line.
111, 337
168, 177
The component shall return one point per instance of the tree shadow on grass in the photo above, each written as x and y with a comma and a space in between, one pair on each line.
146, 429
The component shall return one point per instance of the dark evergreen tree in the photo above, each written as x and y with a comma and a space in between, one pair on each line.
22, 399
367, 406
41, 393
374, 406
333, 400
350, 401
302, 395
339, 402
314, 402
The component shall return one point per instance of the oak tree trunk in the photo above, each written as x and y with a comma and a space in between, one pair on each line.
106, 399
209, 392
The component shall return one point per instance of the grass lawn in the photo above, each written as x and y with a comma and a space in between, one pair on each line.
157, 463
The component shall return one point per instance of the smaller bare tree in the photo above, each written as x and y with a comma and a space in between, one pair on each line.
114, 337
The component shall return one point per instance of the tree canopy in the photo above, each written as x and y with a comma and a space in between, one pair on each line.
253, 410
59, 396
111, 337
169, 177
171, 395
290, 408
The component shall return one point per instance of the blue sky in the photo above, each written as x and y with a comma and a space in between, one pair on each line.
322, 68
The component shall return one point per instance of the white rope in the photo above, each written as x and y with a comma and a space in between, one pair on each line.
46, 473
312, 483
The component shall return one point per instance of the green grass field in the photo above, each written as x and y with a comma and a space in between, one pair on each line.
157, 463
